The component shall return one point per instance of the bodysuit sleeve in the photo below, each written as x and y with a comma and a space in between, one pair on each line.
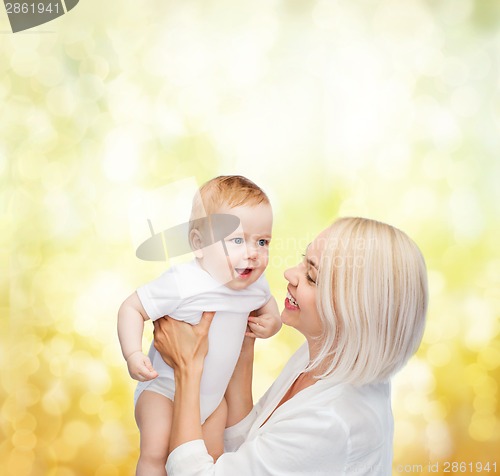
161, 296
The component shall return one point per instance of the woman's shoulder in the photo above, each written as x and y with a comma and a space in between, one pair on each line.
364, 412
357, 402
361, 413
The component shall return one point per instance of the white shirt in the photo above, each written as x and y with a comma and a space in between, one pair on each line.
184, 292
325, 430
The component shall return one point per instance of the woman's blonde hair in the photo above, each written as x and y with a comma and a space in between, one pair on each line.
372, 300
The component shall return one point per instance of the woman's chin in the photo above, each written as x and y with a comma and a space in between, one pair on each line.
287, 317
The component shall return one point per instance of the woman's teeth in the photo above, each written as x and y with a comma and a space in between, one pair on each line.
291, 299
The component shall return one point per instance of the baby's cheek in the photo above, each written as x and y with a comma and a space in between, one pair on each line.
263, 262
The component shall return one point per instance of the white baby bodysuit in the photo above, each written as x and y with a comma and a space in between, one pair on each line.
184, 292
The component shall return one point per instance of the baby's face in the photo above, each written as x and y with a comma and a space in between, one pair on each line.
243, 256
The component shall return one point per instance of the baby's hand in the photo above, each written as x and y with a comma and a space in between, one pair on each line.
140, 367
263, 326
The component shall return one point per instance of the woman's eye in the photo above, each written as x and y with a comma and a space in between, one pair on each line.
263, 242
311, 280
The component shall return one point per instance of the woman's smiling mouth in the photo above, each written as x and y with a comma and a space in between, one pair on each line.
290, 302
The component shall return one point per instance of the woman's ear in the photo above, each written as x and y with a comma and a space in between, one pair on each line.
196, 241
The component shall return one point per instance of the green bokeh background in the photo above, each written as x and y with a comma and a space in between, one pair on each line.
387, 109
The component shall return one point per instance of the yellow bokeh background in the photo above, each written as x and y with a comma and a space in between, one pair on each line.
387, 109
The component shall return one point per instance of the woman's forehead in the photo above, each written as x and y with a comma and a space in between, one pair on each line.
319, 243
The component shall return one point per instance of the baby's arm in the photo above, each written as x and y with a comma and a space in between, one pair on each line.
131, 317
266, 321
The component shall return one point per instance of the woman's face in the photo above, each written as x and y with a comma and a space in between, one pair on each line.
301, 311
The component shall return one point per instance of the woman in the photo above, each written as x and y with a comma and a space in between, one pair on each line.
359, 297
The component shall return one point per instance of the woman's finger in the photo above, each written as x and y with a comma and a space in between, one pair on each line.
206, 320
161, 327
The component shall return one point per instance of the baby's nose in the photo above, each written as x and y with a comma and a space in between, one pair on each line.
251, 252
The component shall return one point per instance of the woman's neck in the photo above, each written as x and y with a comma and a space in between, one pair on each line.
314, 346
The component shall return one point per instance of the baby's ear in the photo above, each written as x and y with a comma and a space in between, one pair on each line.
196, 241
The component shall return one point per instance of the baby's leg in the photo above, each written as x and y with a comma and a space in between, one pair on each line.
213, 430
153, 414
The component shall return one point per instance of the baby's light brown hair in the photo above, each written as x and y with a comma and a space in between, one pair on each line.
226, 190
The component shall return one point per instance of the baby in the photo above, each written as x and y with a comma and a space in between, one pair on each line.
226, 276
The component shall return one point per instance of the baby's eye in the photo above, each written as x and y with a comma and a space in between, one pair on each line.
263, 242
237, 241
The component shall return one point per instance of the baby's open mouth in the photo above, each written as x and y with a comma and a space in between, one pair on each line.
243, 271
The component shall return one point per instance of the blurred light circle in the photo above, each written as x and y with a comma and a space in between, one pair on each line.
95, 65
90, 87
50, 72
96, 374
24, 439
414, 403
456, 11
405, 432
439, 354
57, 174
121, 154
62, 471
25, 422
439, 439
485, 404
56, 400
29, 257
30, 165
64, 450
489, 356
62, 100
25, 62
91, 403
78, 431
110, 411
483, 384
465, 101
482, 427
107, 470
10, 410
78, 43
437, 282
455, 72
29, 394
435, 410
428, 61
20, 462
5, 88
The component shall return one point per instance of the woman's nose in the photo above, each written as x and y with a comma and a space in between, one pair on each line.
291, 275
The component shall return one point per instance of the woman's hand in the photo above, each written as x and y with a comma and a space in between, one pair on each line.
182, 345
